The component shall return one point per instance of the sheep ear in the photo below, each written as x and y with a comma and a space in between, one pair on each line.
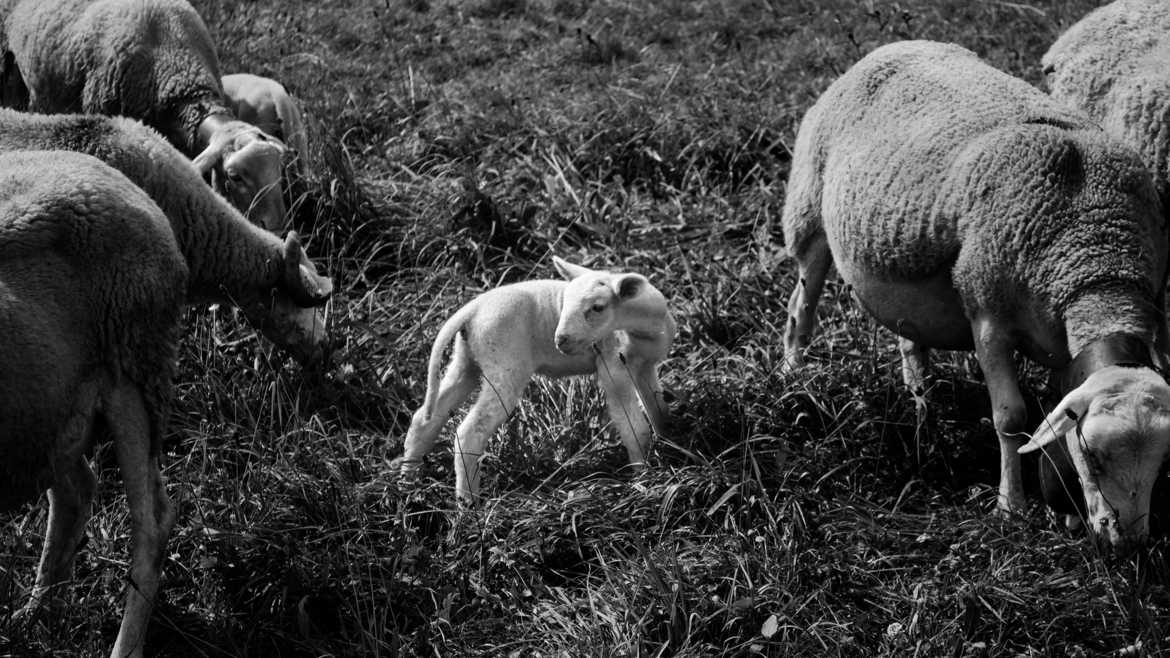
568, 270
1061, 421
208, 159
305, 286
626, 286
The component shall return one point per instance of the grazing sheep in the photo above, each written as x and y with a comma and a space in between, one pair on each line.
230, 260
151, 60
91, 283
970, 211
615, 325
1112, 65
264, 103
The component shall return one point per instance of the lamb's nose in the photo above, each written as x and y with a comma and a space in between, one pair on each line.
562, 341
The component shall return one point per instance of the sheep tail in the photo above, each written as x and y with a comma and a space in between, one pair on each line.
445, 337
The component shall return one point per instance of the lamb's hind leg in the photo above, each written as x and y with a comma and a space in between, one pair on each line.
151, 513
498, 396
456, 385
70, 506
812, 262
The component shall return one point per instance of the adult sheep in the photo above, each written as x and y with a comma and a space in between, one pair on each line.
970, 211
151, 60
91, 283
1112, 65
230, 259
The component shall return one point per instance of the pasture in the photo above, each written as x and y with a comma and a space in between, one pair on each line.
457, 145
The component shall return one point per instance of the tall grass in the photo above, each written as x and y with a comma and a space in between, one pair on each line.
455, 146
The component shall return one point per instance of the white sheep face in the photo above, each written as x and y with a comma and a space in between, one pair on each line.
297, 330
251, 181
587, 312
1117, 429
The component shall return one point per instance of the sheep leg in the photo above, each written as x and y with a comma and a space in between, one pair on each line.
649, 391
621, 397
915, 362
994, 347
152, 514
454, 388
70, 506
498, 397
812, 266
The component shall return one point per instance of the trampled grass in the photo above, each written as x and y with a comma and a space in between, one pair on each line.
455, 146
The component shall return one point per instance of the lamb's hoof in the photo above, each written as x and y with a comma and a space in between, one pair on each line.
403, 473
921, 409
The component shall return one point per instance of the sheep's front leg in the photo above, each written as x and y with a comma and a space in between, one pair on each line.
621, 398
151, 513
649, 391
456, 386
915, 362
498, 396
995, 348
812, 267
70, 506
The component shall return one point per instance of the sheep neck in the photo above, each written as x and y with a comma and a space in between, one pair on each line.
1096, 315
1120, 349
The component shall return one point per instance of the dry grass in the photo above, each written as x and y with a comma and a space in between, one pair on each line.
455, 146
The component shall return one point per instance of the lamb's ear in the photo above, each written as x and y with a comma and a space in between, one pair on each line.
1061, 421
305, 286
206, 161
627, 286
568, 270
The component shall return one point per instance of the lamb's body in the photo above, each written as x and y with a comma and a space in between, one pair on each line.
91, 283
1112, 65
266, 104
230, 259
970, 211
151, 60
506, 335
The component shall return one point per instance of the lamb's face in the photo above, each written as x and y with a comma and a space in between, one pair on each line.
251, 180
587, 312
1116, 427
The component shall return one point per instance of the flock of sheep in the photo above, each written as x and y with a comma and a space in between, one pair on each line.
967, 210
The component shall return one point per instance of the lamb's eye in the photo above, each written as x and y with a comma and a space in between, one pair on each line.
234, 176
597, 308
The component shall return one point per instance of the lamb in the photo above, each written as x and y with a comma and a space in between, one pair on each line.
264, 103
968, 210
230, 260
615, 325
151, 60
91, 282
1112, 66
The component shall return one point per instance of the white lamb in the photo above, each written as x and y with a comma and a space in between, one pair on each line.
615, 325
230, 259
151, 60
968, 210
266, 104
91, 284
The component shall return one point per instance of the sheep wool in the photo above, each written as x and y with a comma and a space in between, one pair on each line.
1112, 65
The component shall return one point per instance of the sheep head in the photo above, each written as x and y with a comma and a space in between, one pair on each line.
595, 304
246, 166
290, 316
1115, 428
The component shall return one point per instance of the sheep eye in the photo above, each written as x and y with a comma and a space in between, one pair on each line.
597, 308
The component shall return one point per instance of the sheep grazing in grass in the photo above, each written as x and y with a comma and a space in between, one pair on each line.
1112, 65
264, 103
970, 211
615, 325
91, 284
230, 260
151, 60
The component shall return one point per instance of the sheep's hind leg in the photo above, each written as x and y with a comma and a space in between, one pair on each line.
995, 348
813, 264
915, 365
498, 396
70, 506
622, 400
152, 514
454, 388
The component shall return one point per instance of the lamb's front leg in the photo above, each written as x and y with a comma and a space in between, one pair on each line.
649, 390
621, 398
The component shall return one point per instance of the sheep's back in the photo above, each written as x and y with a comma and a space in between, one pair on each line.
886, 136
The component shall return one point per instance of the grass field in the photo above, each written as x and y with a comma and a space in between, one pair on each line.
456, 145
